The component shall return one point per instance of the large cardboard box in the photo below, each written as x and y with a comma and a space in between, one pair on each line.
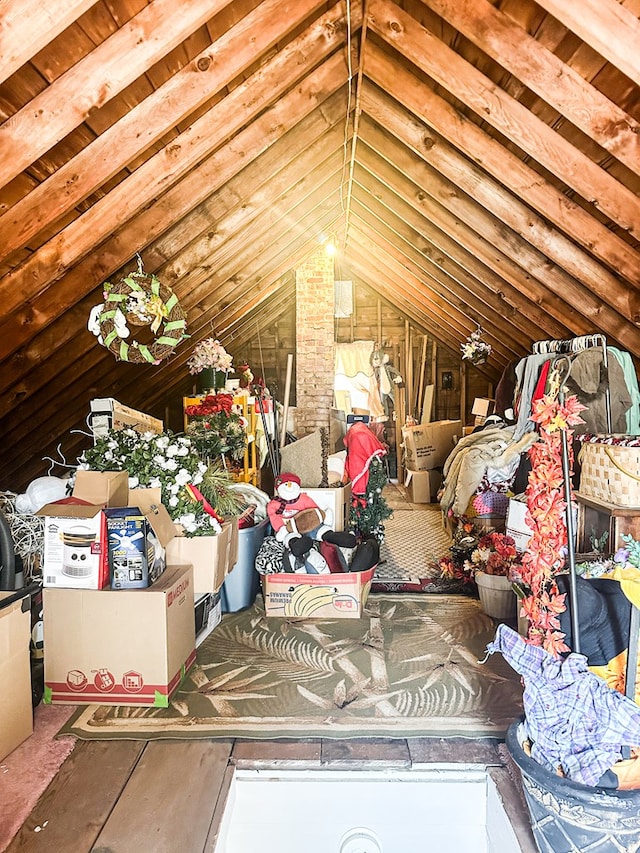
337, 500
422, 486
16, 710
334, 596
120, 647
107, 413
427, 446
212, 557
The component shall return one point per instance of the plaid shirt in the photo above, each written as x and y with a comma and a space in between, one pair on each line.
573, 720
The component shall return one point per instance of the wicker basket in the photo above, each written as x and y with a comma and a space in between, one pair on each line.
611, 473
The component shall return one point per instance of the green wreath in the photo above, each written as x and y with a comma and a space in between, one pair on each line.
143, 301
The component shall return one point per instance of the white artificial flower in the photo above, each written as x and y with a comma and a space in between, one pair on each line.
172, 450
170, 465
183, 477
173, 501
174, 488
134, 482
155, 483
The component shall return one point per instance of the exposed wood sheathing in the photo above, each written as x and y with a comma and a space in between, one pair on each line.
476, 161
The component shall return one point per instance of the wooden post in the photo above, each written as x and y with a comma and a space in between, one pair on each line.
419, 412
287, 392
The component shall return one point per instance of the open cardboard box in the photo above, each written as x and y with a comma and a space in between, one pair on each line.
122, 647
422, 486
331, 596
337, 499
16, 710
212, 557
76, 552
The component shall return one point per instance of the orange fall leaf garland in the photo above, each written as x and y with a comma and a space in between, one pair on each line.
543, 603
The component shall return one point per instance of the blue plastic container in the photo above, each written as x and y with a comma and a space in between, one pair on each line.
241, 585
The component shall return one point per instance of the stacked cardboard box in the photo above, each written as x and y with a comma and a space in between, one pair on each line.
426, 448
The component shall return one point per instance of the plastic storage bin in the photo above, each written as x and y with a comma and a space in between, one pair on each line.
241, 585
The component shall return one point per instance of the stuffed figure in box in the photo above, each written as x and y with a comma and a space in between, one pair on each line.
297, 520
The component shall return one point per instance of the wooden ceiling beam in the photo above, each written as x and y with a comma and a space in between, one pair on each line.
563, 288
495, 199
78, 240
229, 175
463, 288
458, 241
462, 315
495, 159
610, 29
88, 84
505, 114
26, 26
437, 247
165, 108
545, 74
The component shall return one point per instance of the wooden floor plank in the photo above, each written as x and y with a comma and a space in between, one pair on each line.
169, 801
72, 810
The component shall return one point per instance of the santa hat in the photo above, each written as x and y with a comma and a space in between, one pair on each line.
287, 478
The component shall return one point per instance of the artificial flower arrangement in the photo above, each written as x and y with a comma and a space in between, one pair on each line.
492, 553
216, 429
495, 554
474, 349
162, 461
545, 557
209, 354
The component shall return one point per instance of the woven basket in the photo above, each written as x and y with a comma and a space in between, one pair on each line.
611, 473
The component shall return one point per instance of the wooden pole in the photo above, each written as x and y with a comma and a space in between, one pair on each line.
287, 391
423, 358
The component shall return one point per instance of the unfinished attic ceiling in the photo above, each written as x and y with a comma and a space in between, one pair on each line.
476, 161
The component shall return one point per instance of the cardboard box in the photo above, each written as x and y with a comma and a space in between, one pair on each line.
75, 552
336, 499
427, 446
121, 647
212, 557
208, 614
107, 413
103, 488
518, 529
422, 486
16, 710
334, 596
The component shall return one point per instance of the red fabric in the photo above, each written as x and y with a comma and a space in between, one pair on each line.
362, 447
541, 384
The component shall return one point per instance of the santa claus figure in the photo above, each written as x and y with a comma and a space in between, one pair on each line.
297, 520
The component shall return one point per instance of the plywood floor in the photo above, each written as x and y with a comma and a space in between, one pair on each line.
168, 796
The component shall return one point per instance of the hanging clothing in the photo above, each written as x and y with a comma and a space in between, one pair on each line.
588, 380
631, 380
527, 373
573, 720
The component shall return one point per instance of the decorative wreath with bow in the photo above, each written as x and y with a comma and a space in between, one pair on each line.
139, 299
